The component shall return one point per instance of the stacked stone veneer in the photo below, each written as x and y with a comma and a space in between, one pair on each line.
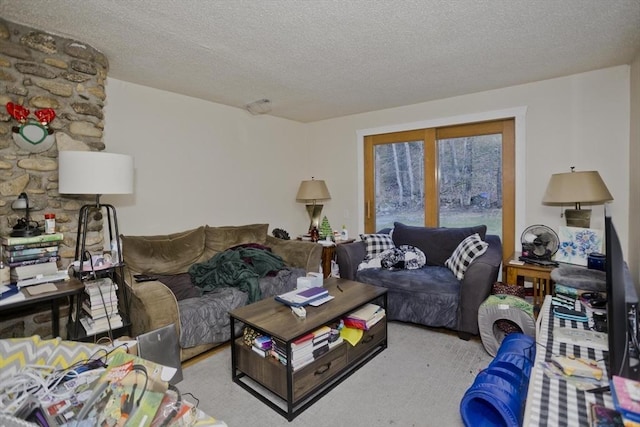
41, 70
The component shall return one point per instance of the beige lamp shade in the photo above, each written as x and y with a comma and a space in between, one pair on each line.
313, 190
576, 187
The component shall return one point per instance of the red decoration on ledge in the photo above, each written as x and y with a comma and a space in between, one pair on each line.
45, 116
18, 112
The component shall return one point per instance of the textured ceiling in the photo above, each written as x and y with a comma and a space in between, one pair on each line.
328, 58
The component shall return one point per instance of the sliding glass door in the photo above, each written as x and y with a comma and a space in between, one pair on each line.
452, 176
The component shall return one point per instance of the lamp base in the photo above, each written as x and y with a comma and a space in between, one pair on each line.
314, 212
578, 217
25, 232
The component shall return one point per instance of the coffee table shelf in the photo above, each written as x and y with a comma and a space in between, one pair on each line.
290, 392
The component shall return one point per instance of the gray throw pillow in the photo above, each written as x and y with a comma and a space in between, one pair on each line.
437, 243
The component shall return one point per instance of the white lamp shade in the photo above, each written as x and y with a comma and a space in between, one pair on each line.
94, 172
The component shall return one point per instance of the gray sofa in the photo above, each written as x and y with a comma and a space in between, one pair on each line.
431, 295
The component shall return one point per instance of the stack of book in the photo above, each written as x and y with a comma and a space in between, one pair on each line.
262, 345
21, 251
365, 317
307, 348
100, 307
32, 260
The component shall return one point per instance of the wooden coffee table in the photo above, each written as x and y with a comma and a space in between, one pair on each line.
290, 392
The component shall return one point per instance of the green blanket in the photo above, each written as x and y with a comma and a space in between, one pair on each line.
239, 267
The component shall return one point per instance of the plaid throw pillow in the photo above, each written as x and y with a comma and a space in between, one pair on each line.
376, 244
468, 250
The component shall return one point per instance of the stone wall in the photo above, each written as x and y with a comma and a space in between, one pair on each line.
40, 70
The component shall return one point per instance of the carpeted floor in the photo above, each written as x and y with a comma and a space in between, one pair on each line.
418, 380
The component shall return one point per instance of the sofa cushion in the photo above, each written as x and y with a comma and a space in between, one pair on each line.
467, 251
376, 244
217, 239
180, 285
437, 243
428, 296
206, 320
164, 254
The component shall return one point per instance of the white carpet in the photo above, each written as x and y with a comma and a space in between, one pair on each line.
419, 380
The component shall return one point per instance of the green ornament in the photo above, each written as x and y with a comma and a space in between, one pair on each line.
325, 228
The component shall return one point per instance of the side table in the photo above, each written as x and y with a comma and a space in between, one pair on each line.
540, 275
329, 254
69, 288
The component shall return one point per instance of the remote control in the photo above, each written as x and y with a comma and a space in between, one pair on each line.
144, 278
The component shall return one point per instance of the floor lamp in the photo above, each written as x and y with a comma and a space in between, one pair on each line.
94, 172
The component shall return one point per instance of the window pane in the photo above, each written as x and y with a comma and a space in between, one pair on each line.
470, 180
399, 183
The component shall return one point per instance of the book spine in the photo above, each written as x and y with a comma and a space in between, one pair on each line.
8, 241
16, 258
101, 309
96, 302
23, 246
302, 341
42, 260
33, 251
355, 323
102, 292
259, 351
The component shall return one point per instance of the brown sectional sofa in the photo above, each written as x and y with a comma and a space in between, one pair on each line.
155, 304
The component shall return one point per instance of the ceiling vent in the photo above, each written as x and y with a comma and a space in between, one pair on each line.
261, 106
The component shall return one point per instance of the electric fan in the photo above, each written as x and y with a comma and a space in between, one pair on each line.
539, 242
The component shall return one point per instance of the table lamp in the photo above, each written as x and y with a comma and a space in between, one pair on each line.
310, 192
24, 227
94, 172
576, 187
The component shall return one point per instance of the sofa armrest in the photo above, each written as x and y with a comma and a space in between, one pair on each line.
152, 305
477, 283
297, 253
349, 256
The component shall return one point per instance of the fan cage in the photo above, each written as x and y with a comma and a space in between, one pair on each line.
539, 249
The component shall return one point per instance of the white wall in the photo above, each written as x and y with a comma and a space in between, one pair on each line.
580, 120
202, 163
199, 162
